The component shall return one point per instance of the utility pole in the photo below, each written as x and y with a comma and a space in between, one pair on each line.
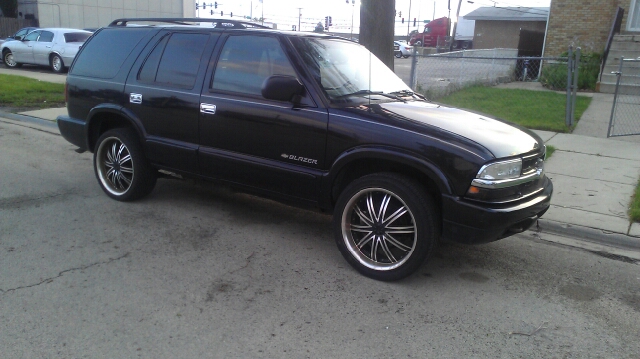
377, 27
409, 18
299, 16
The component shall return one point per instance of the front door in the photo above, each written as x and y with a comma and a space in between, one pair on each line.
23, 50
254, 142
633, 23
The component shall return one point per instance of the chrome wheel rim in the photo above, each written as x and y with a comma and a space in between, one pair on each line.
8, 59
57, 63
379, 229
114, 166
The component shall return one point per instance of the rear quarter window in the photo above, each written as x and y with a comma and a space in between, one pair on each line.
105, 53
76, 37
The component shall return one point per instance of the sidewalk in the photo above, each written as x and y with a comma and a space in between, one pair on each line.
594, 178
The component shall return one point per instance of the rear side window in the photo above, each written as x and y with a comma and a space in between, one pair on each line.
76, 37
103, 56
175, 60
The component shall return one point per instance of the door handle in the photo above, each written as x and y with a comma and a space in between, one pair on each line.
208, 108
48, 47
135, 98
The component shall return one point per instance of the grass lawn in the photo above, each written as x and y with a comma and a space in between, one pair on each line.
550, 151
23, 92
634, 210
538, 110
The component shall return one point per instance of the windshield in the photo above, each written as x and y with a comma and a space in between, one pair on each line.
346, 70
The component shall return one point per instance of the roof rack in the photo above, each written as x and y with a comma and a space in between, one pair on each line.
226, 23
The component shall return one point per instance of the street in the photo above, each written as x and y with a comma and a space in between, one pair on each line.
199, 271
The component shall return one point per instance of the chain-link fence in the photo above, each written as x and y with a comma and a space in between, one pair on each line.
442, 74
625, 114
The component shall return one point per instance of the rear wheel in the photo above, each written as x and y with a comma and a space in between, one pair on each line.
120, 166
57, 65
398, 54
9, 62
386, 225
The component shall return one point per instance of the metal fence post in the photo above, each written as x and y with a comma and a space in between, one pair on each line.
567, 115
615, 96
574, 95
414, 63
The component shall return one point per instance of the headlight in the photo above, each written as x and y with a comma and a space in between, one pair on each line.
501, 170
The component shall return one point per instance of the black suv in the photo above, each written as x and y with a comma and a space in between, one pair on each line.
303, 118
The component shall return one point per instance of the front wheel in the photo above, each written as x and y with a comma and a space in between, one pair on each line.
9, 62
120, 166
57, 65
386, 225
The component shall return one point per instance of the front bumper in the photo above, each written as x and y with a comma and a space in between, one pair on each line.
474, 223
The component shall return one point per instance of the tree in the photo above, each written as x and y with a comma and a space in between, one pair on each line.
377, 28
319, 28
9, 7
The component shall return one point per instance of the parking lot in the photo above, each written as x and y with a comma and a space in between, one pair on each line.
196, 270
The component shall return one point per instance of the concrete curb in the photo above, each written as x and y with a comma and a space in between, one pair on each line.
52, 125
593, 235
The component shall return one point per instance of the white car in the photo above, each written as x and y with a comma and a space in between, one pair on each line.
402, 49
54, 47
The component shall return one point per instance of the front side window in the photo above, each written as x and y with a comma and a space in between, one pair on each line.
347, 71
32, 36
175, 61
246, 61
46, 36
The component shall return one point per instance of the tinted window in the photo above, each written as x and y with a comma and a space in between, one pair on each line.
32, 36
103, 56
246, 61
76, 37
181, 59
45, 36
150, 67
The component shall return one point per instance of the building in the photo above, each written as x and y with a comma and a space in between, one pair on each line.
500, 27
82, 14
587, 24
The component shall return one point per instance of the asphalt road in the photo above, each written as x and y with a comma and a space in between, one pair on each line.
198, 271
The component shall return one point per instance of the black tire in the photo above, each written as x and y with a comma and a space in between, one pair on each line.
368, 241
57, 65
398, 54
7, 58
120, 166
405, 56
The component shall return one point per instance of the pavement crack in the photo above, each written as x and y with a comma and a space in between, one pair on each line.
584, 210
598, 155
49, 280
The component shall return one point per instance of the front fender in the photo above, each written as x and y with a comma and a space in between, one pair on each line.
380, 153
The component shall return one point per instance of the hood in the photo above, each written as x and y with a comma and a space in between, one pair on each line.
502, 139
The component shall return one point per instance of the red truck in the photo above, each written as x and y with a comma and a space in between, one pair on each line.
435, 29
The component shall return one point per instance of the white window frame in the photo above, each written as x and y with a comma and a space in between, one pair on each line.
633, 14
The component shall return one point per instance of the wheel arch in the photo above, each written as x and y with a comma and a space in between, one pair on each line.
103, 118
364, 161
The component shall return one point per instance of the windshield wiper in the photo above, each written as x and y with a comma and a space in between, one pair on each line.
408, 93
369, 92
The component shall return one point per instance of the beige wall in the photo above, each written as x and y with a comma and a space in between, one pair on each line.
582, 23
502, 34
97, 13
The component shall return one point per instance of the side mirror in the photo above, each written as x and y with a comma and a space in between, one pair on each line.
281, 88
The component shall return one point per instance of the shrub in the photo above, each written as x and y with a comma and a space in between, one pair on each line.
554, 76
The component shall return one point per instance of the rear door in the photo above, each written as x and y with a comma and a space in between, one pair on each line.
163, 95
271, 146
42, 48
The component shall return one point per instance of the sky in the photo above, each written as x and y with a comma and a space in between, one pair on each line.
286, 12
